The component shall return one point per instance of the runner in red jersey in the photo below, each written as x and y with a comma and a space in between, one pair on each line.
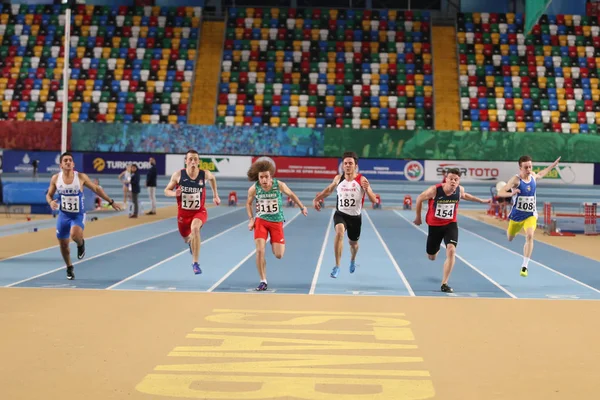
441, 217
188, 186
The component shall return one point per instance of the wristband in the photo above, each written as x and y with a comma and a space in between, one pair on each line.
111, 202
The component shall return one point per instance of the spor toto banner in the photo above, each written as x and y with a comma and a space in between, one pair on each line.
597, 174
495, 171
303, 167
115, 163
224, 166
402, 170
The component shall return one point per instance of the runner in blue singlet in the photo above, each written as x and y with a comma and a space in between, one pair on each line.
523, 214
68, 184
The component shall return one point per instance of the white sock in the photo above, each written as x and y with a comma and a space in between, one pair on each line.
525, 262
264, 281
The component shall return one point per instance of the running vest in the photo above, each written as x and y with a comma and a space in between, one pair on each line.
70, 196
350, 196
443, 208
192, 192
269, 203
524, 202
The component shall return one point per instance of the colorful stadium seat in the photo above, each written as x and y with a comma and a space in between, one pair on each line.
122, 58
322, 67
545, 81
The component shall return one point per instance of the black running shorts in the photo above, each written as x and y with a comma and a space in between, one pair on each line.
448, 233
352, 223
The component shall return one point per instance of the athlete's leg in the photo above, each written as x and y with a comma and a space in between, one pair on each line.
277, 239
260, 240
338, 244
529, 226
195, 239
449, 263
514, 227
261, 262
63, 227
434, 241
354, 227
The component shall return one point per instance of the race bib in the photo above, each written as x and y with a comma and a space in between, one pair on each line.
347, 202
525, 203
69, 204
445, 210
190, 201
267, 206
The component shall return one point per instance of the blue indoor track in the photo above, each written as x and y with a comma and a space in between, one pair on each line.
391, 260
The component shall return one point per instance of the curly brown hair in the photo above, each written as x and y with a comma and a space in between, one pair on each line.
258, 167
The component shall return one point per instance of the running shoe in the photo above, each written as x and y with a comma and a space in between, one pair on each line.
81, 250
196, 268
446, 289
352, 267
70, 274
335, 272
524, 272
261, 287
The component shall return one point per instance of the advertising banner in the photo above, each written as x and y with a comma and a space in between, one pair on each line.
115, 163
597, 174
494, 171
303, 167
23, 162
398, 170
220, 166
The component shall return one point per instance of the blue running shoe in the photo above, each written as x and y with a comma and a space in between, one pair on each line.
352, 267
261, 287
335, 272
196, 268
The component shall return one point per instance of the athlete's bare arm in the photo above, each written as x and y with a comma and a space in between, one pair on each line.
427, 194
466, 196
50, 193
545, 171
249, 201
212, 180
364, 182
511, 184
326, 192
169, 192
87, 182
285, 189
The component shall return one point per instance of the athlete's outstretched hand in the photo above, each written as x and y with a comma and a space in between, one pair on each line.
304, 211
117, 207
216, 200
365, 183
251, 224
486, 201
418, 221
54, 205
317, 205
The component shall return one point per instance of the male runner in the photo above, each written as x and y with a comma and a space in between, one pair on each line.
523, 214
269, 217
441, 218
188, 186
351, 188
70, 223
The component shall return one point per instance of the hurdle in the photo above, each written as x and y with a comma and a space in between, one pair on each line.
590, 219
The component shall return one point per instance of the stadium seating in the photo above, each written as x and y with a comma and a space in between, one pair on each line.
127, 64
545, 81
324, 67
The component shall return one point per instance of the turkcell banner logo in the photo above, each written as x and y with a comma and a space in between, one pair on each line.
23, 162
115, 163
597, 174
225, 166
399, 170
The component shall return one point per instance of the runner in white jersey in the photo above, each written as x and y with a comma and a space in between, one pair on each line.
351, 188
68, 184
